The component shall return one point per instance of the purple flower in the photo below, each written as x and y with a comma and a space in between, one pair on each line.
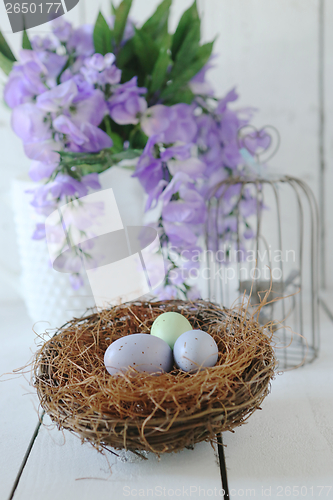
67, 100
180, 179
76, 281
85, 89
180, 235
98, 62
167, 292
46, 197
39, 233
84, 138
43, 151
126, 105
209, 143
73, 134
248, 233
180, 152
91, 181
229, 126
191, 208
199, 85
111, 75
257, 140
182, 127
53, 64
96, 140
101, 70
39, 43
223, 103
249, 204
62, 29
61, 96
176, 123
25, 80
81, 41
157, 119
149, 172
177, 276
193, 293
149, 169
191, 166
154, 195
45, 157
40, 170
91, 110
30, 123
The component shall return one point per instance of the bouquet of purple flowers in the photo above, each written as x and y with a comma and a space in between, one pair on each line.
84, 99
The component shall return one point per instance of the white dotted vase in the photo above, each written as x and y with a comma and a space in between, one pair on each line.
47, 293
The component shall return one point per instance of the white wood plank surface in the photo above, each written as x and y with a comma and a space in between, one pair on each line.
18, 417
289, 443
60, 468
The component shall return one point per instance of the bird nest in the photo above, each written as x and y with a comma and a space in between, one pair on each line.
164, 413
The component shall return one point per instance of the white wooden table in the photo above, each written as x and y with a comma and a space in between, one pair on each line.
285, 450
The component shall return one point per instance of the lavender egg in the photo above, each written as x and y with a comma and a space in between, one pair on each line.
194, 350
141, 351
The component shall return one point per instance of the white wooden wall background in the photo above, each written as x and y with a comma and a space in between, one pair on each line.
269, 49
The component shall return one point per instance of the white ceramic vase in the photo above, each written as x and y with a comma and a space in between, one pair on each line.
47, 293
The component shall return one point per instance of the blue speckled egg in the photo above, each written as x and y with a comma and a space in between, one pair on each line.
195, 349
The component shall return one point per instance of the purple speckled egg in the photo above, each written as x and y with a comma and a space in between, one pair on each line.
141, 351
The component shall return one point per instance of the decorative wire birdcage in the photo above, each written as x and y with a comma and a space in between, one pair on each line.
253, 261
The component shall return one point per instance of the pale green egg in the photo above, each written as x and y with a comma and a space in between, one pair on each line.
169, 326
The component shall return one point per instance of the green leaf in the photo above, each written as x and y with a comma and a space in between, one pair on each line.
159, 73
183, 79
157, 24
164, 41
129, 154
102, 36
121, 16
202, 57
117, 142
125, 54
5, 49
146, 50
5, 64
183, 95
26, 44
86, 169
138, 139
113, 10
188, 49
205, 51
190, 15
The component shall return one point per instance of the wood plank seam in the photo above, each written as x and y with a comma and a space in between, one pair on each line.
223, 468
26, 456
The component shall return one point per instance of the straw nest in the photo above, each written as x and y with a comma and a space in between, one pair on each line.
164, 413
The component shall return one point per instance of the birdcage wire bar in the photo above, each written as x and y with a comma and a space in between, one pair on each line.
296, 312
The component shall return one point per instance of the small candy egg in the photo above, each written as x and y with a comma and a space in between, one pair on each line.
194, 349
169, 326
141, 351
